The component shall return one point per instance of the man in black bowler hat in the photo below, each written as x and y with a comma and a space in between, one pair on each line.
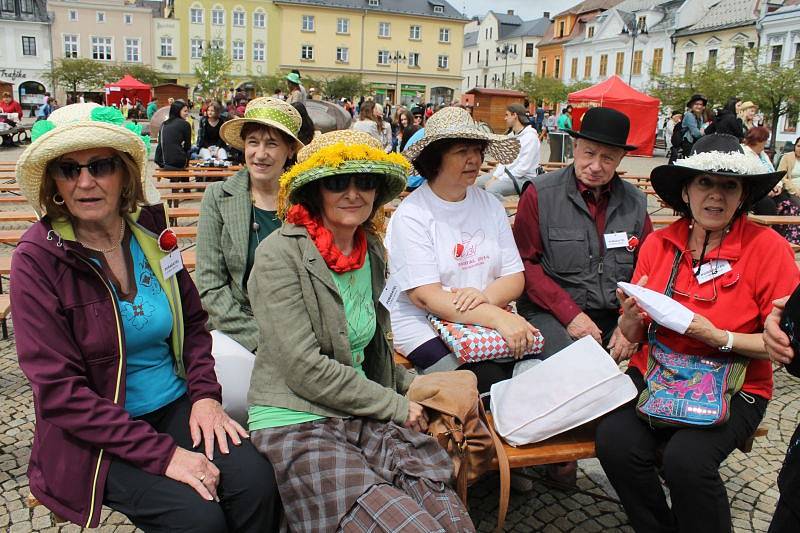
578, 231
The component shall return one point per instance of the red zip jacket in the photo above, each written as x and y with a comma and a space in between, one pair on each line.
71, 347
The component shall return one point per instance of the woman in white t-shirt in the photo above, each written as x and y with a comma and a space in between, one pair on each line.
451, 250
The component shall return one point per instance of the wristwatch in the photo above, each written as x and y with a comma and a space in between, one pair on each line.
729, 345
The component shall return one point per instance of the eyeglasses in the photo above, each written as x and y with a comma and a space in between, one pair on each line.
99, 168
341, 182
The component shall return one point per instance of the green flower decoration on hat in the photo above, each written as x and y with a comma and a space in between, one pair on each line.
40, 127
112, 115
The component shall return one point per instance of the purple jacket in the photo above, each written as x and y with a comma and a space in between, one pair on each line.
71, 346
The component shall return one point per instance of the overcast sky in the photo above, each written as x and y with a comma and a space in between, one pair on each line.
526, 9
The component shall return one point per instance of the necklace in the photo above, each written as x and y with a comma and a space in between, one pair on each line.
111, 248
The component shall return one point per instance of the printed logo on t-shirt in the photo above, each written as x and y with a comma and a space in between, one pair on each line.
466, 251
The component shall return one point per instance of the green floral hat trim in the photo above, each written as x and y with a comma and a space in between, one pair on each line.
109, 115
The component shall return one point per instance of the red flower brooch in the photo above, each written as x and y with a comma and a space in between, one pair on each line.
167, 241
633, 243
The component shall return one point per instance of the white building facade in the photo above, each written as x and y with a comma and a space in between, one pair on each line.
25, 51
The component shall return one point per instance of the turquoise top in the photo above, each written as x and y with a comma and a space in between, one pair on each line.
267, 222
150, 379
355, 288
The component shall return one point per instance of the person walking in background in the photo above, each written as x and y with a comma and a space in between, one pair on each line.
693, 122
672, 139
564, 124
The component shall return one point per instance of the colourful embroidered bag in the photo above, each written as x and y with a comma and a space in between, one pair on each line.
471, 343
687, 390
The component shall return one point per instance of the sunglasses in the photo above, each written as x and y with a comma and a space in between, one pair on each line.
99, 168
341, 182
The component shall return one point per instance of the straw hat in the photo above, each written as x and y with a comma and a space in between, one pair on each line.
344, 152
457, 123
272, 112
73, 128
719, 155
747, 105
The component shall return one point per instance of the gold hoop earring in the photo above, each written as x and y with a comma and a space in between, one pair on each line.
58, 199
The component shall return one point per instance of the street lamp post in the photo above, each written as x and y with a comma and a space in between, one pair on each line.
638, 29
397, 58
505, 51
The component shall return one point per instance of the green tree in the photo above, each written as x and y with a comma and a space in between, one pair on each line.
345, 86
716, 84
213, 73
543, 89
266, 85
775, 88
143, 73
77, 75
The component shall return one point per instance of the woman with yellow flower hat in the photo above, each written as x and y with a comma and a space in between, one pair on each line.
327, 401
115, 346
236, 215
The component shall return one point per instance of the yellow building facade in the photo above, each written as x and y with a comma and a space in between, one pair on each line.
246, 29
418, 50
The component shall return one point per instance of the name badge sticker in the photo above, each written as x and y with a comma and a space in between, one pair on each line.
171, 264
616, 240
713, 269
390, 294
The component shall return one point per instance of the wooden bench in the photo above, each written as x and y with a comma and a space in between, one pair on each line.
5, 311
572, 445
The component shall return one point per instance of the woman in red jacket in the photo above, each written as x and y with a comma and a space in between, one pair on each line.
111, 335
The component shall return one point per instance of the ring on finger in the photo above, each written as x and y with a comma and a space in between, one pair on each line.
201, 477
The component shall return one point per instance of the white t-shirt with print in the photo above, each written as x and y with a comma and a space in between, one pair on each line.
458, 244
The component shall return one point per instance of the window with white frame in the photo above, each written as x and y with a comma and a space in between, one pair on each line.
218, 44
71, 46
438, 9
28, 46
342, 54
413, 59
308, 23
166, 47
342, 25
444, 35
238, 18
444, 62
383, 57
196, 48
258, 51
259, 19
196, 15
218, 17
26, 6
307, 52
415, 33
101, 48
100, 16
384, 29
237, 50
374, 3
127, 18
73, 15
133, 53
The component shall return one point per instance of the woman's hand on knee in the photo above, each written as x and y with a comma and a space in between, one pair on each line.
195, 470
417, 417
209, 421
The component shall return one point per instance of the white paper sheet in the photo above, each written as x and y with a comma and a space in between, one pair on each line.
661, 308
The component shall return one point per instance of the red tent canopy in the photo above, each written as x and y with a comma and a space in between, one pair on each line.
641, 109
127, 87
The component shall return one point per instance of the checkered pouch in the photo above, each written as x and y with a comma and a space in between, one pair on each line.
472, 343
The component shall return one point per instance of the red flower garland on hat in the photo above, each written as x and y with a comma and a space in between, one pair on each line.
323, 239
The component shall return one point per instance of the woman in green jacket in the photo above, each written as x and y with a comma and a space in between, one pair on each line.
235, 216
327, 402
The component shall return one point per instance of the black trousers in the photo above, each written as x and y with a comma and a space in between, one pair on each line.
628, 449
787, 514
249, 500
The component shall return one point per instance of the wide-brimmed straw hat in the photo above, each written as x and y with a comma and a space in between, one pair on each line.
747, 105
605, 126
74, 128
269, 111
719, 155
344, 152
457, 123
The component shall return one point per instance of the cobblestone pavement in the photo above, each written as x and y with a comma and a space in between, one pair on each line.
750, 478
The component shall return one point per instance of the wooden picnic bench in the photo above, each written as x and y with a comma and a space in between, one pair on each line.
18, 135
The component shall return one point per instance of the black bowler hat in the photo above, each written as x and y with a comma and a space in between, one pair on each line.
605, 126
696, 98
717, 154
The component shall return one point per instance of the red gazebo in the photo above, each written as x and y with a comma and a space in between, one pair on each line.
128, 87
641, 109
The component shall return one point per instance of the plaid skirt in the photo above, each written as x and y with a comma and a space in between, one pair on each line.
323, 467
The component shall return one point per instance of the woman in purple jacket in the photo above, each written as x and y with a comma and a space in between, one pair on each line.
111, 334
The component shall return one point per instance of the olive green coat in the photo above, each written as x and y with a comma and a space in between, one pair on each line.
304, 361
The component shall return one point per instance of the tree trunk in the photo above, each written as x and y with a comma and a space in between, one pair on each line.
776, 109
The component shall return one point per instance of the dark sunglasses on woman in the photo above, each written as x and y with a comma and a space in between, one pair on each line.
341, 182
99, 168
